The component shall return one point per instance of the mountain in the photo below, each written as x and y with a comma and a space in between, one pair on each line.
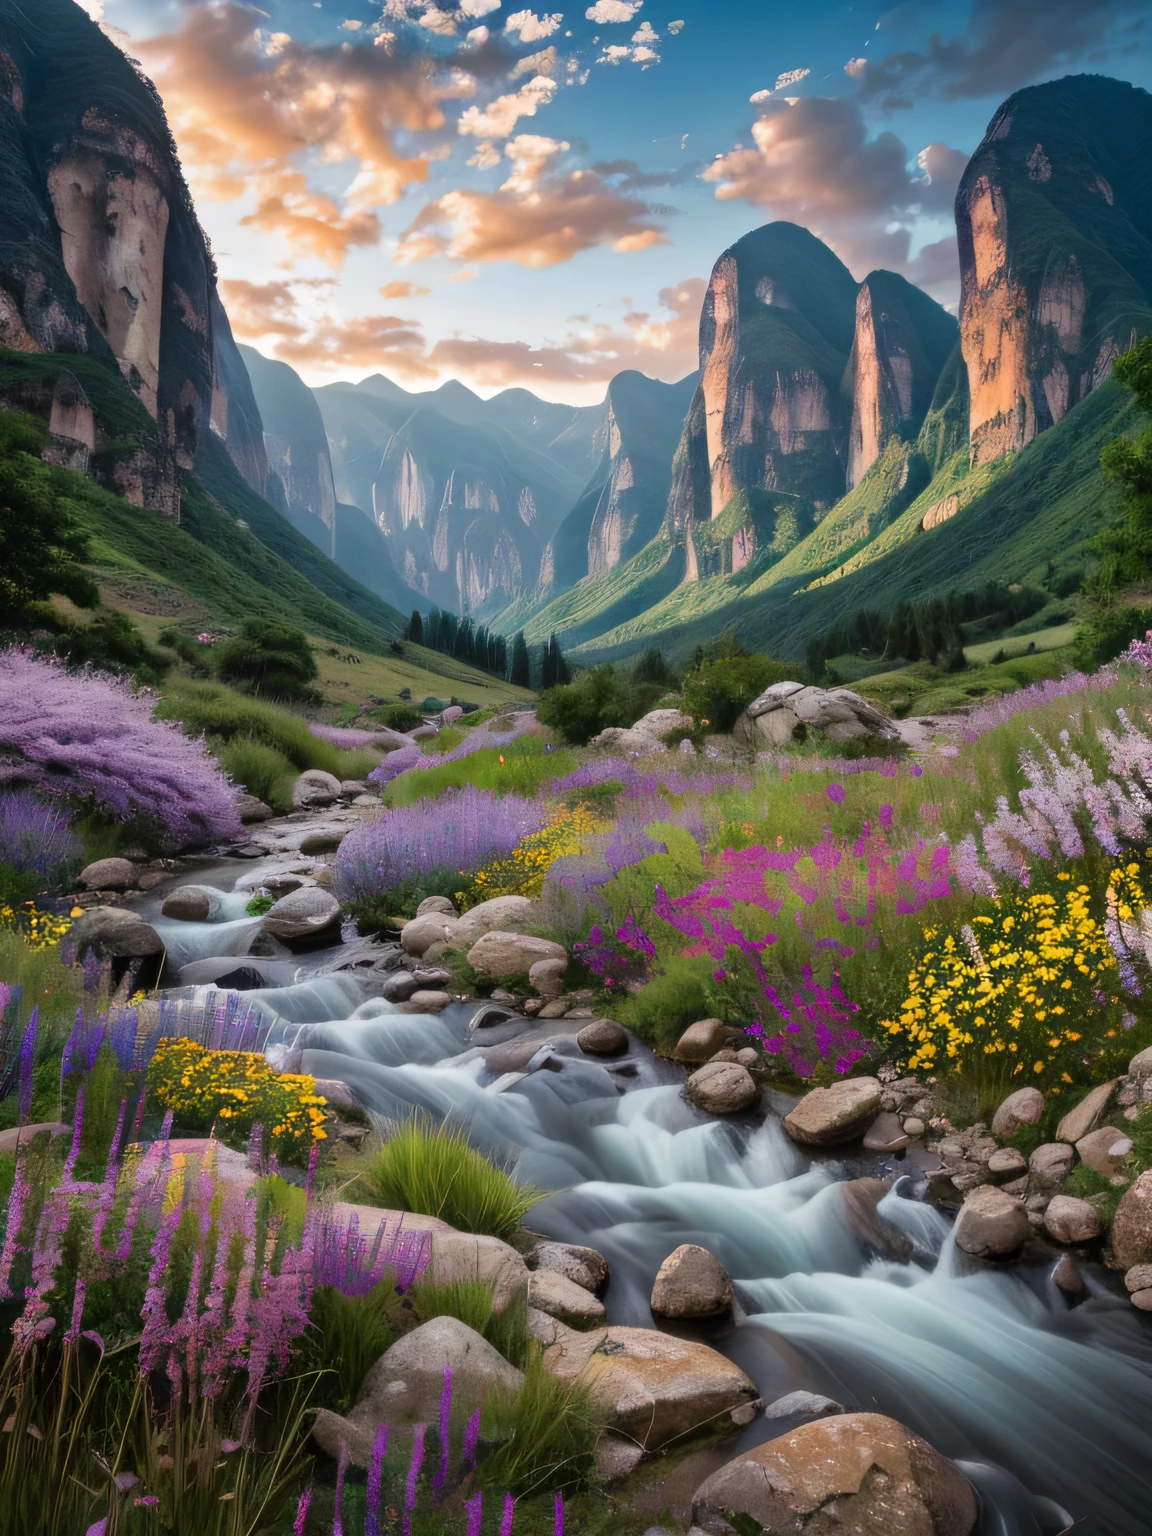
299, 479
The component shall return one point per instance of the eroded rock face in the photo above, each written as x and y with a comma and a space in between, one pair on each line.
1040, 327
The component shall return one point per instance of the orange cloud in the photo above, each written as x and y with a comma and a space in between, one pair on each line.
403, 290
260, 309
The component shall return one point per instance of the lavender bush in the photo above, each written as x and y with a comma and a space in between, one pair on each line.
90, 736
36, 843
404, 758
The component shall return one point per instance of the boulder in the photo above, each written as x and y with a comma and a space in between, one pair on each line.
430, 1002
1067, 1220
915, 1126
315, 788
656, 1387
108, 875
885, 1134
399, 986
337, 1094
116, 934
277, 882
253, 809
421, 933
1141, 1063
617, 1458
852, 1474
21, 1135
785, 712
550, 1291
511, 954
1138, 1278
701, 1041
828, 1117
603, 1037
1104, 1149
405, 1385
384, 736
325, 840
809, 1404
1132, 1224
645, 737
1024, 1107
722, 1087
303, 915
991, 1224
691, 1282
508, 914
192, 903
547, 977
584, 1266
436, 904
1079, 1121
1007, 1163
1051, 1163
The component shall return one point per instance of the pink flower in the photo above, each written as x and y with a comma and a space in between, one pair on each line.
835, 793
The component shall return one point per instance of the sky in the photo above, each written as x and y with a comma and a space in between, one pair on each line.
469, 189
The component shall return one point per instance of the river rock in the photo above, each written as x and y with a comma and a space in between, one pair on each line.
302, 915
701, 1041
1007, 1163
691, 1282
885, 1134
1138, 1278
721, 1087
827, 1117
116, 933
617, 1458
1068, 1220
314, 789
325, 840
991, 1224
1079, 1121
1024, 1107
192, 903
253, 809
547, 977
807, 1404
554, 1293
603, 1037
657, 1387
20, 1135
914, 1126
109, 875
508, 914
1132, 1224
422, 932
405, 1384
1142, 1299
436, 904
862, 1199
853, 1474
430, 1002
399, 987
1051, 1163
584, 1266
1104, 1149
503, 955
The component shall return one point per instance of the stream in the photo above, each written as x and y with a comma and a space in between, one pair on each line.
1046, 1405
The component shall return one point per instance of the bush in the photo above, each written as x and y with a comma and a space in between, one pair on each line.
663, 1009
399, 717
346, 1336
1107, 632
40, 543
599, 698
725, 682
263, 771
269, 659
471, 1302
370, 913
652, 668
434, 1172
113, 642
39, 853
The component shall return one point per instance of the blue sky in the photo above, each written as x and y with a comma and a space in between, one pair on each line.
513, 195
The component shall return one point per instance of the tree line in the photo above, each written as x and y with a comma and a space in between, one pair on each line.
482, 648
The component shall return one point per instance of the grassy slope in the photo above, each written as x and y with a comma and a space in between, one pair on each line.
598, 602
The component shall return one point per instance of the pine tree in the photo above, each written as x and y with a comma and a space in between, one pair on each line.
415, 630
562, 672
521, 671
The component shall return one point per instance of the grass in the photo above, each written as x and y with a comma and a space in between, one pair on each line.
547, 1433
1054, 638
345, 1338
525, 767
471, 1301
924, 689
434, 1172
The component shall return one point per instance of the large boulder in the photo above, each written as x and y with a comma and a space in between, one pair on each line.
722, 1087
404, 1386
1068, 1220
1079, 1121
192, 903
786, 712
507, 913
552, 1292
303, 915
691, 1282
253, 809
419, 935
1051, 1163
115, 933
547, 977
1132, 1224
1104, 1150
109, 875
1024, 1107
645, 737
829, 1117
1141, 1063
436, 904
585, 1266
315, 789
603, 1037
502, 955
657, 1387
992, 1223
701, 1041
852, 1474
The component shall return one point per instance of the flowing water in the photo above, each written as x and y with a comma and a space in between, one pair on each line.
1046, 1406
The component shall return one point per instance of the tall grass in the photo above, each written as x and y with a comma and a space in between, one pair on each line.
471, 1301
345, 1338
521, 767
546, 1432
433, 1171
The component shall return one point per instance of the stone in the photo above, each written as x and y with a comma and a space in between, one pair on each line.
337, 1093
108, 875
1141, 1063
554, 1010
852, 1474
327, 840
277, 882
21, 1135
421, 933
701, 1041
1067, 1278
192, 903
810, 1404
1079, 1121
1068, 1220
1132, 1224
691, 1282
885, 1134
1142, 1299
656, 1387
584, 1266
547, 976
617, 1459
1104, 1149
603, 1037
423, 733
505, 954
430, 1002
991, 1224
785, 712
914, 1126
253, 809
436, 904
508, 914
303, 915
828, 1117
722, 1088
314, 789
399, 987
862, 1199
550, 1291
1024, 1107
405, 1384
1051, 1163
1138, 1278
117, 934
1007, 1163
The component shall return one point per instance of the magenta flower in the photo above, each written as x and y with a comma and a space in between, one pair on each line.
302, 1511
375, 1470
471, 1437
558, 1522
508, 1516
413, 1474
341, 1470
835, 793
474, 1508
445, 1425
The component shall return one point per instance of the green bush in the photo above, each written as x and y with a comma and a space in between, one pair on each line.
725, 682
652, 668
113, 643
371, 913
41, 543
526, 766
263, 771
598, 698
663, 1009
270, 659
471, 1302
433, 1171
399, 717
1107, 632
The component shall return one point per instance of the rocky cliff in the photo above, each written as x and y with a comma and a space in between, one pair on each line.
101, 253
1054, 219
299, 479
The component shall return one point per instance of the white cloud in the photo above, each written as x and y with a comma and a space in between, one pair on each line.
485, 157
855, 67
645, 33
675, 26
478, 36
759, 96
615, 53
478, 7
95, 8
605, 11
532, 27
497, 120
351, 26
452, 84
790, 77
436, 20
645, 55
543, 63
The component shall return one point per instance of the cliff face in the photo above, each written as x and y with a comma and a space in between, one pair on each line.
299, 468
903, 339
1054, 218
101, 251
235, 415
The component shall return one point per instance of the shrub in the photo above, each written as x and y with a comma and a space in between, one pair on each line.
399, 717
270, 659
599, 698
522, 872
652, 668
371, 913
113, 642
663, 1009
546, 1432
38, 851
434, 1172
90, 736
471, 1301
40, 543
261, 770
346, 1336
725, 683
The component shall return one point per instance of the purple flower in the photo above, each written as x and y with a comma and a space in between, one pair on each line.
375, 1469
835, 793
445, 1424
474, 1508
341, 1470
508, 1516
17, 1201
302, 1512
471, 1437
558, 1522
77, 1128
36, 838
413, 1474
27, 1050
